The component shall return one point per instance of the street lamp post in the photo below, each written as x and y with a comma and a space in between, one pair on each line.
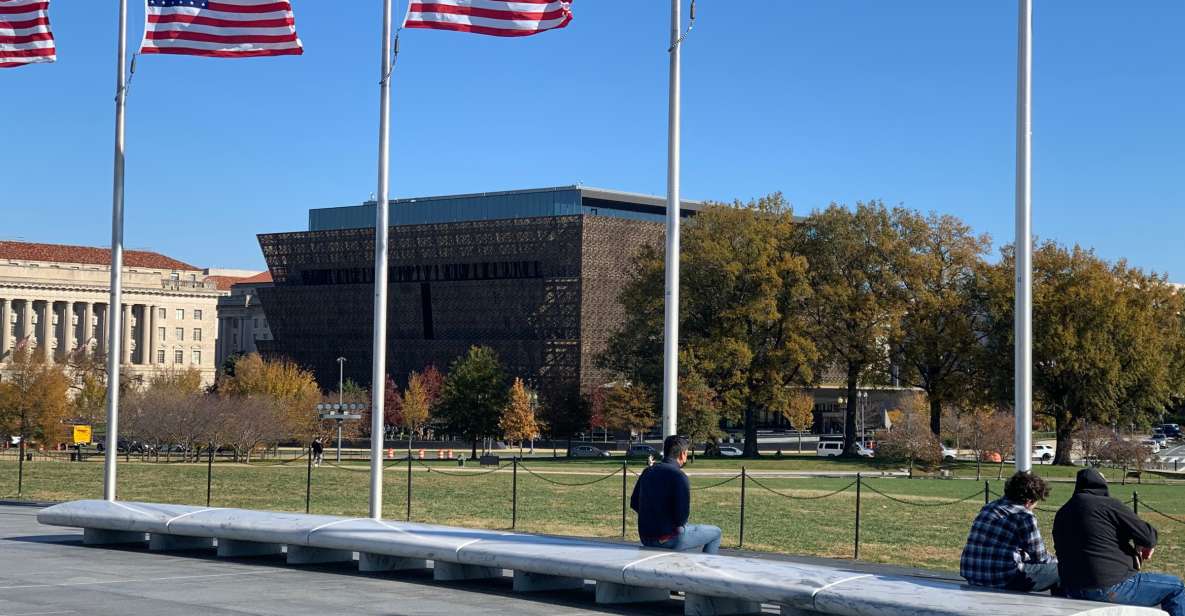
843, 400
339, 413
341, 371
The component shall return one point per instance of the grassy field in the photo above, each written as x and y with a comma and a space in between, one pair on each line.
789, 515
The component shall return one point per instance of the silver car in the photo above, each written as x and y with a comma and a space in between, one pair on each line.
588, 451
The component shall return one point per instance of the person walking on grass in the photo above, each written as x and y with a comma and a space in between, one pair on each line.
1103, 544
318, 452
662, 499
1004, 548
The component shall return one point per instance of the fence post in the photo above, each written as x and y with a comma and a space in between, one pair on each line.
409, 482
623, 501
859, 484
987, 493
1136, 502
514, 494
209, 473
308, 482
744, 477
20, 464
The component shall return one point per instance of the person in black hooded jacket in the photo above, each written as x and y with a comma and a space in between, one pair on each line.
1100, 546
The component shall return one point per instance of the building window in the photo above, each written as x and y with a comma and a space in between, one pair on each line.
197, 334
160, 356
197, 358
162, 313
178, 357
197, 314
160, 335
174, 276
179, 333
180, 314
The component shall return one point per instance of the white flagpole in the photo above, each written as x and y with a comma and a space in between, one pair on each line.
670, 341
1024, 242
378, 381
114, 306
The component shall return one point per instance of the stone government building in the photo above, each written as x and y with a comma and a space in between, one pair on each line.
57, 298
533, 274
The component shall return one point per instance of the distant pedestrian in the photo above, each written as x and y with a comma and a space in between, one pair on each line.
1004, 548
1103, 544
662, 498
318, 452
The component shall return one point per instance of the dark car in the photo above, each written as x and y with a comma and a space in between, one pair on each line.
641, 450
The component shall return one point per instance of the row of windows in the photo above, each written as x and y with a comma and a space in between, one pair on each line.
195, 357
489, 270
178, 334
163, 313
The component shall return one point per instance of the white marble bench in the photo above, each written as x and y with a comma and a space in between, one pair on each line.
712, 584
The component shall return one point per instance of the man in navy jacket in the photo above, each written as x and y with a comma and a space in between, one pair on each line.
662, 499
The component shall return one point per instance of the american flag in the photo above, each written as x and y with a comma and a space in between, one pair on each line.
493, 17
24, 33
222, 29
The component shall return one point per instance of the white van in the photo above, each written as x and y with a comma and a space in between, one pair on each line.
829, 449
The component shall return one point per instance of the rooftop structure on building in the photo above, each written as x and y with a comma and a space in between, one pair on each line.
531, 203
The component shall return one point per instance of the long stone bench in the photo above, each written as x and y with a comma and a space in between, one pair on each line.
712, 584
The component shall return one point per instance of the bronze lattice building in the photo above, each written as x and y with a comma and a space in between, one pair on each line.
533, 274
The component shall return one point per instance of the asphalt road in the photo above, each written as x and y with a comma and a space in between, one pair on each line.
47, 571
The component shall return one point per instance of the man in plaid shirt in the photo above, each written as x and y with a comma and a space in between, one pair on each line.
1004, 548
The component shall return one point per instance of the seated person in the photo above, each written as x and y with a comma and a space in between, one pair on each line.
1103, 543
662, 498
1004, 548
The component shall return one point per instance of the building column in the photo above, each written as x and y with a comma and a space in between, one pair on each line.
69, 329
5, 318
88, 317
47, 332
126, 339
150, 323
142, 339
26, 318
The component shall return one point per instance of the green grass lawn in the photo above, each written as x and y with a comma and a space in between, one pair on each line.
780, 513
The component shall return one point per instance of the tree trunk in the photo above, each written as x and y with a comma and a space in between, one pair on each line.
978, 465
750, 433
1065, 439
849, 432
473, 452
936, 416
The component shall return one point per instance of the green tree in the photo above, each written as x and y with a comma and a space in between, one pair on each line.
473, 395
518, 418
1099, 348
293, 388
630, 409
801, 414
33, 400
699, 408
857, 301
938, 341
742, 315
911, 440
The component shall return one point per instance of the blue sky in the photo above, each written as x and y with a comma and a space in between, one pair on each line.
909, 101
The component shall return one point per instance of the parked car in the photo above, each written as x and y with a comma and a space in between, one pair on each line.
588, 451
1151, 444
864, 452
730, 452
642, 450
1161, 439
948, 454
1044, 453
1171, 430
829, 449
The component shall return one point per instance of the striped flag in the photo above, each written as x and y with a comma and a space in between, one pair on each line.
221, 28
493, 17
25, 37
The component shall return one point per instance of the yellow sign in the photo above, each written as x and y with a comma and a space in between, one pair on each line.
82, 435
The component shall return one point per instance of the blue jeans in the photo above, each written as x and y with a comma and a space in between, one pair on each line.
1143, 589
691, 538
1037, 577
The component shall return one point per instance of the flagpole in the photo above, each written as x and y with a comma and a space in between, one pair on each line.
378, 379
114, 306
1024, 241
670, 344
